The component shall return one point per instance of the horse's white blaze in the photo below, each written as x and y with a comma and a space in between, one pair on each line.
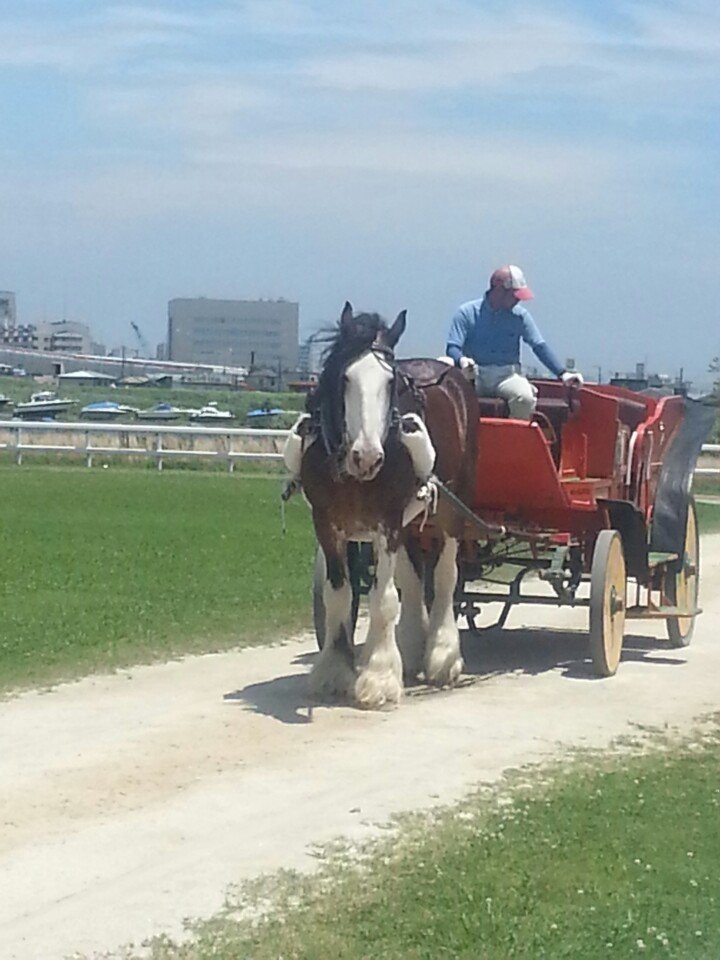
443, 662
380, 678
332, 674
412, 628
367, 409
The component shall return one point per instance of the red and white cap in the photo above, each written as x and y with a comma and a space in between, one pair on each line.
512, 278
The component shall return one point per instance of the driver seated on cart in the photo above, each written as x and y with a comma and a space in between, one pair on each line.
484, 341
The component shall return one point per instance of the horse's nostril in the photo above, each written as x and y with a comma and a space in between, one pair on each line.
379, 462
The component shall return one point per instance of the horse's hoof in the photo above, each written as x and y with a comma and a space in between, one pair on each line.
373, 692
444, 671
332, 685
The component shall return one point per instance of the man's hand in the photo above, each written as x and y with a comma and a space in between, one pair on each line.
572, 378
468, 367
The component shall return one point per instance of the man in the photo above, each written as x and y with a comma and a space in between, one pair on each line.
484, 341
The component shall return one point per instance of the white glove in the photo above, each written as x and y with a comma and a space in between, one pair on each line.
572, 378
468, 367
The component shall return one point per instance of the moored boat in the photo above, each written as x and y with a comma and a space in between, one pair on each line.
211, 414
42, 404
107, 410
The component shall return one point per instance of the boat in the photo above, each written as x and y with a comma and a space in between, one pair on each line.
164, 411
5, 401
264, 415
42, 405
107, 410
210, 414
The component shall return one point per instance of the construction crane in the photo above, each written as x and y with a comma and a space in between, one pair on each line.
144, 345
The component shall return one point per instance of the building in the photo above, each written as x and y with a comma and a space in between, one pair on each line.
640, 380
87, 378
66, 336
19, 335
12, 333
234, 333
8, 310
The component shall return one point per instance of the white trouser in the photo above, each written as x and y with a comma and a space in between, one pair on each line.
507, 382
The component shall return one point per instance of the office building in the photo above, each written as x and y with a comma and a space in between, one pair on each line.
8, 311
234, 333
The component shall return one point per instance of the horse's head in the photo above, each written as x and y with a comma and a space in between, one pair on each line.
358, 380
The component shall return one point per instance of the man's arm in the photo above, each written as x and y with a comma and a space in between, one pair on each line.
533, 338
459, 329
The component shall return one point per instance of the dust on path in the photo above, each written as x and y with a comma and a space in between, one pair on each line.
130, 802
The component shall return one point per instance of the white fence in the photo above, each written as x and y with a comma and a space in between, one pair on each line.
161, 442
158, 442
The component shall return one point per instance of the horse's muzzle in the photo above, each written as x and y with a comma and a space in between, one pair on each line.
364, 462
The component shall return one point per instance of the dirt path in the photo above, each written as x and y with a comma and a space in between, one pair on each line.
129, 802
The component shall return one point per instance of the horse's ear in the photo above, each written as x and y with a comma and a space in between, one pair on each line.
347, 321
396, 330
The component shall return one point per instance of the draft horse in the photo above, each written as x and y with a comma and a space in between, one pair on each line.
374, 430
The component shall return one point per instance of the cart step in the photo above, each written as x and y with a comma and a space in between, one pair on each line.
656, 558
658, 613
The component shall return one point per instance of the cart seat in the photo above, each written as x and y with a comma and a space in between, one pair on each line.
631, 412
556, 409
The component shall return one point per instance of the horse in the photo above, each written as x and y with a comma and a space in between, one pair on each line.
374, 429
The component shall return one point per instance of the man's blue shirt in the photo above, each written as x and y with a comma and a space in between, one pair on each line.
493, 336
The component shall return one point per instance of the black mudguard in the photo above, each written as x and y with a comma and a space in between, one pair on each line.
669, 518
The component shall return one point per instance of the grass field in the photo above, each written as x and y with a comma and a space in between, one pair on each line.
109, 568
611, 857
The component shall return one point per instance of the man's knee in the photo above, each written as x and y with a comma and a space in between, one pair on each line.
522, 406
521, 397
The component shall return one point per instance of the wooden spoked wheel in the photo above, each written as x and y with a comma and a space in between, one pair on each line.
682, 587
607, 603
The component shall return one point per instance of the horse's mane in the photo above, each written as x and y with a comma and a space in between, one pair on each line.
343, 345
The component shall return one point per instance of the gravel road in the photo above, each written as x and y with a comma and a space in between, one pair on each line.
131, 801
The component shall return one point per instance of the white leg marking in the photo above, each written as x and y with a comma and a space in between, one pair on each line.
412, 629
333, 675
443, 663
380, 678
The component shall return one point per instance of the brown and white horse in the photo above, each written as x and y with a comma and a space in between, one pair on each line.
374, 430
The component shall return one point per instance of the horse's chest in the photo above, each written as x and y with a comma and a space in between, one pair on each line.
354, 506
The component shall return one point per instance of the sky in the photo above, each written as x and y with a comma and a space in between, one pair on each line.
391, 154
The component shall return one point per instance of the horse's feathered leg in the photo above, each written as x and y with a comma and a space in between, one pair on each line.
380, 669
333, 675
443, 662
412, 629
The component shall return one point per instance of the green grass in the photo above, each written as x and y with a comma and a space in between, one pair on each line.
709, 517
705, 484
109, 568
616, 857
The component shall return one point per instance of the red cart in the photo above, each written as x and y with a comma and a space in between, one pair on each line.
596, 488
